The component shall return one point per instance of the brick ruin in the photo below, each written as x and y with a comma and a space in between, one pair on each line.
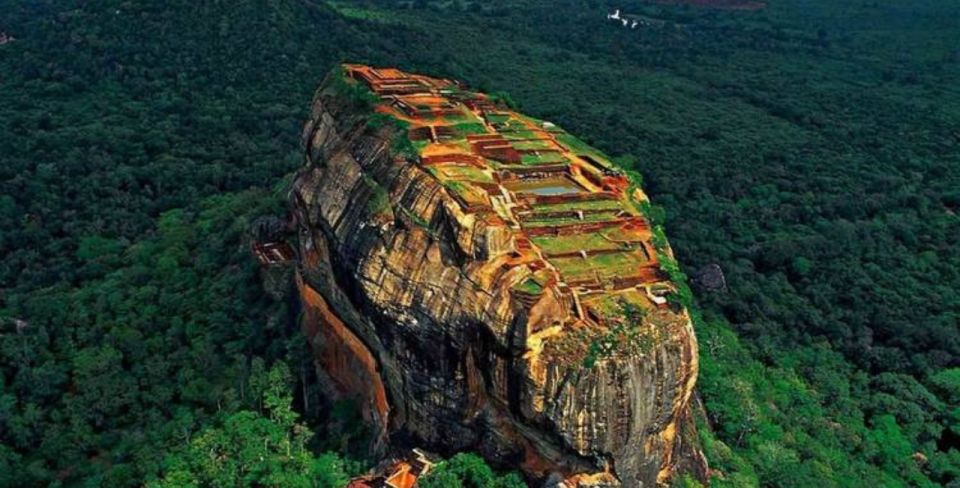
517, 174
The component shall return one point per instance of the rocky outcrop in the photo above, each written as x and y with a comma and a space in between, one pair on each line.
412, 307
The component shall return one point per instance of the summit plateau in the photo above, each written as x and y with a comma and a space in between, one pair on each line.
478, 279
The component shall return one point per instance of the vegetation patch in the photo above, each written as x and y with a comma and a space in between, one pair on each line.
601, 266
497, 118
352, 11
659, 239
468, 470
529, 286
379, 202
590, 241
626, 332
468, 128
580, 205
577, 146
532, 145
462, 173
361, 99
540, 220
520, 134
534, 159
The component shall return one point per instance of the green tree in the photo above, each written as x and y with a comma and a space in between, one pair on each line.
468, 470
248, 449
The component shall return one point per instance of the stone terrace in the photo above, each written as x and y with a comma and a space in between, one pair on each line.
573, 215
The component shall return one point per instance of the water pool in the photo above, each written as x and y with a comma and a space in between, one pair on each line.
546, 186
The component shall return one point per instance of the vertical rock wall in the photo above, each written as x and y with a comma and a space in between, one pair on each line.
408, 306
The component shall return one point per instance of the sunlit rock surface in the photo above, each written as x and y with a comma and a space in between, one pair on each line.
480, 280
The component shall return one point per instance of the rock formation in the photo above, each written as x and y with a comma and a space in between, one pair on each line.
480, 280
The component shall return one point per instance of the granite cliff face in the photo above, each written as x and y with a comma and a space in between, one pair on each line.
470, 304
